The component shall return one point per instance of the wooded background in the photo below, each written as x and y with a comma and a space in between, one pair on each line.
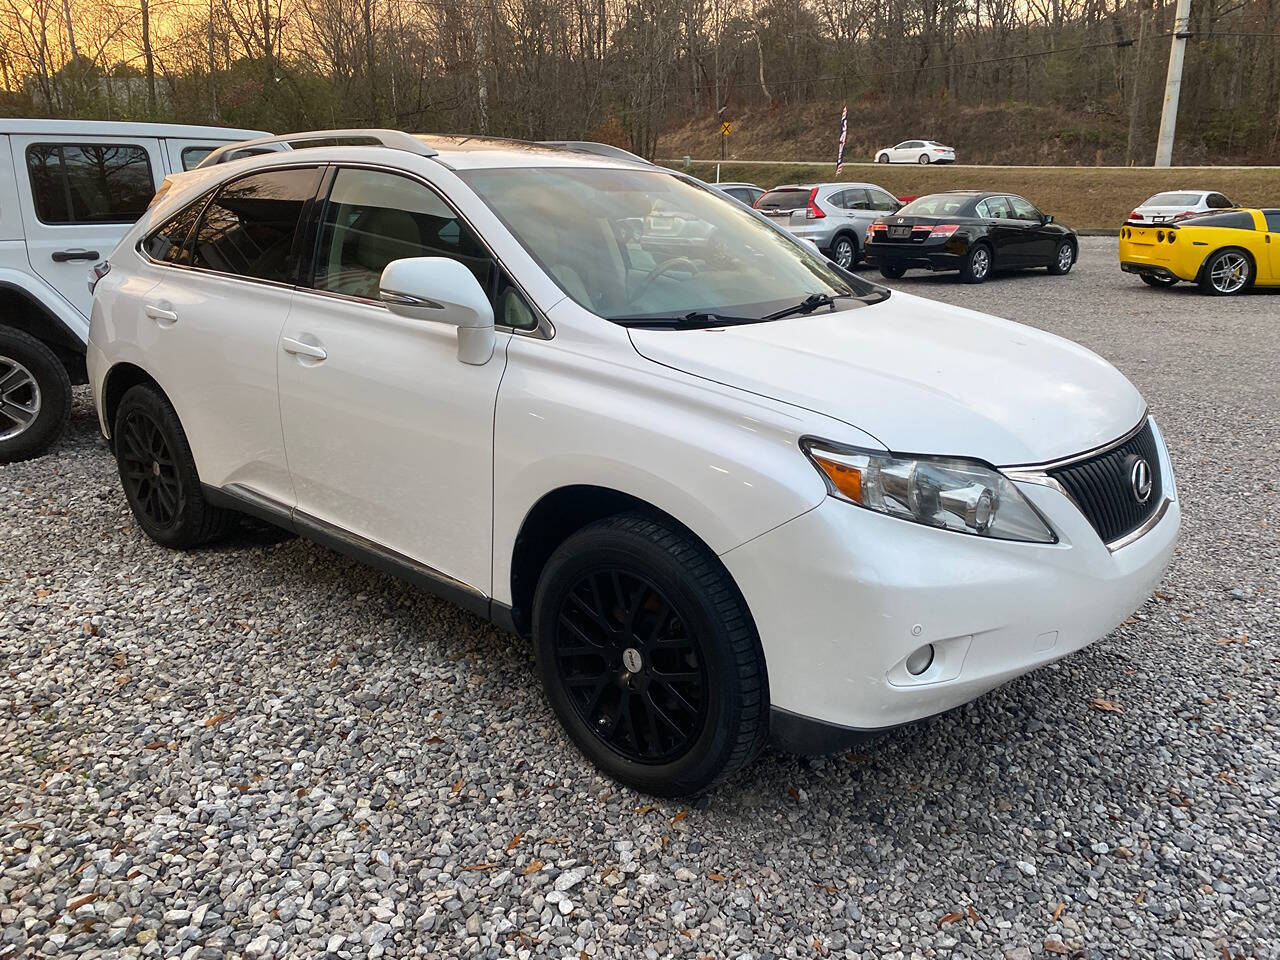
1039, 81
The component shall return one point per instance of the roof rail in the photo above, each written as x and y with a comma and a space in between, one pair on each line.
395, 139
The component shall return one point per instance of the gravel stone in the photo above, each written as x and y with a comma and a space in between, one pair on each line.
305, 758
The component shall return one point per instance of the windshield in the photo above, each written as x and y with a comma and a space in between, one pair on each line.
936, 205
635, 244
1174, 200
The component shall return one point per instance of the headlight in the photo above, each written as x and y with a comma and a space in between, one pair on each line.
939, 492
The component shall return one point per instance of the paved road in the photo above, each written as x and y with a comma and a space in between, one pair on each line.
263, 749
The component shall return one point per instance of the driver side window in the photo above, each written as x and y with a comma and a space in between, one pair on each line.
372, 217
1023, 210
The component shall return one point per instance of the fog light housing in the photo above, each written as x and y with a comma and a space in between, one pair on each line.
920, 660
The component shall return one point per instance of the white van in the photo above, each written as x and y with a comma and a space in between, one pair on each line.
69, 189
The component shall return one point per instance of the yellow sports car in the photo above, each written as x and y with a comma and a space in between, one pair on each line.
1224, 251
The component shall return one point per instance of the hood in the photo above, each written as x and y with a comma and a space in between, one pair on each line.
921, 377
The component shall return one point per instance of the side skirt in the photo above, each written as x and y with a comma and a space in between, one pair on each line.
359, 548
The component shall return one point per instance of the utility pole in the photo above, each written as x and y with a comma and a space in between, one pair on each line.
1173, 84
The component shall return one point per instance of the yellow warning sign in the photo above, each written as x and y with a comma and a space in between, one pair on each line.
726, 128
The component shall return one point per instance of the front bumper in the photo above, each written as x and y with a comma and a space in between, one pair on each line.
842, 595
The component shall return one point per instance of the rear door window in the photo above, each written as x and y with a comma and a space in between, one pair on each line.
856, 199
248, 229
1217, 201
86, 183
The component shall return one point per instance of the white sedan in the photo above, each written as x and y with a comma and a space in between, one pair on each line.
1176, 204
917, 151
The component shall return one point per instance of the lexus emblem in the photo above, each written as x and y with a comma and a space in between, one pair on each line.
1140, 479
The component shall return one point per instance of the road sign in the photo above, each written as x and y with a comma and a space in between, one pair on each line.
726, 128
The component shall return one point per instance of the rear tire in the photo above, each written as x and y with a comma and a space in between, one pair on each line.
977, 265
159, 474
35, 396
1153, 281
844, 250
1227, 273
1064, 258
924, 158
892, 271
623, 608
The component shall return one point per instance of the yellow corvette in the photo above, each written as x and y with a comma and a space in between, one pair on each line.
1224, 251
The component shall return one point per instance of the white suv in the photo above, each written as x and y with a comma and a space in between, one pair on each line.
69, 189
728, 488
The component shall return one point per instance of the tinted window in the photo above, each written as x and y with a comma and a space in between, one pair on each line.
1023, 210
740, 193
1238, 221
882, 201
1273, 220
997, 208
372, 218
1218, 202
784, 199
856, 199
1174, 200
248, 228
937, 205
89, 183
169, 243
192, 156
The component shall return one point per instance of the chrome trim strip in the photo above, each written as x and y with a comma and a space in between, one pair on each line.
1146, 527
1077, 457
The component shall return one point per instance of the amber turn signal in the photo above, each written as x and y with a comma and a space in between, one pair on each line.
846, 479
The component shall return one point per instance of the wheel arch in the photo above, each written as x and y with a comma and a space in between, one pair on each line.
556, 516
1253, 261
118, 381
22, 309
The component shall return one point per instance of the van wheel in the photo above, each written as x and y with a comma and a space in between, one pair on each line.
159, 473
35, 396
977, 266
1227, 273
649, 656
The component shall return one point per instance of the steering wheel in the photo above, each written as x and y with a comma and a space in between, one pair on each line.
658, 271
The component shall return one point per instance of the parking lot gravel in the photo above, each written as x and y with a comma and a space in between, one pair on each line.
263, 749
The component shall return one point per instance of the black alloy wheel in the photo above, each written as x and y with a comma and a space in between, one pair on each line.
649, 656
632, 671
159, 474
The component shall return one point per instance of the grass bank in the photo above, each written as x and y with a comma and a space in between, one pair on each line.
1082, 197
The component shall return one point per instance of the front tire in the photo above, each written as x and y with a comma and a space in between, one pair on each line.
883, 158
1153, 281
844, 251
1227, 273
159, 474
649, 656
977, 265
1064, 258
35, 396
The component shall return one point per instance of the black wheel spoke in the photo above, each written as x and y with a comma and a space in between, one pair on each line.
629, 668
148, 470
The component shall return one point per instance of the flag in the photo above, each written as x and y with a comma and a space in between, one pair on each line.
844, 130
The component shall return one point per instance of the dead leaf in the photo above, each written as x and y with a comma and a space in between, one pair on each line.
123, 679
973, 915
717, 877
533, 867
156, 745
216, 719
334, 662
794, 794
646, 809
75, 905
1142, 895
1058, 912
951, 917
1105, 706
679, 816
514, 842
457, 786
476, 868
827, 887
434, 740
42, 592
1056, 946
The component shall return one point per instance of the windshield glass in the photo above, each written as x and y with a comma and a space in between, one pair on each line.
936, 205
1173, 200
634, 244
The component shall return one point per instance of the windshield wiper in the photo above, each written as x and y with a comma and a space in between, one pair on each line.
809, 304
694, 320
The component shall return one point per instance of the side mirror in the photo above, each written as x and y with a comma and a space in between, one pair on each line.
1048, 218
443, 290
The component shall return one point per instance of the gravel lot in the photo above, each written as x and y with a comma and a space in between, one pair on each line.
264, 749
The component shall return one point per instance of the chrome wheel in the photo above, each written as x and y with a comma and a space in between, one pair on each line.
19, 398
1065, 258
1229, 273
883, 158
924, 158
632, 671
981, 263
148, 470
843, 252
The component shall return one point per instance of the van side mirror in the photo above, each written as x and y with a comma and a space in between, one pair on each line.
445, 291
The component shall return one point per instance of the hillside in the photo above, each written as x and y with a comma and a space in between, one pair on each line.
1013, 133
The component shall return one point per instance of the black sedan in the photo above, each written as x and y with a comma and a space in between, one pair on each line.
972, 232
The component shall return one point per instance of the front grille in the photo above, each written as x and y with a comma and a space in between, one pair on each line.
1103, 489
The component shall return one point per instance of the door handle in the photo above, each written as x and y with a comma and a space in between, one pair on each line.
65, 256
299, 349
161, 315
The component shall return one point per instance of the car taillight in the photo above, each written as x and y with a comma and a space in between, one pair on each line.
939, 149
814, 213
1135, 215
1185, 213
943, 230
878, 225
